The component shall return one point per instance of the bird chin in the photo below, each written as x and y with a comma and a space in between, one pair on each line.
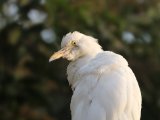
69, 58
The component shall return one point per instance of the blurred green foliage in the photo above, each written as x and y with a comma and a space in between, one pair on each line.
30, 30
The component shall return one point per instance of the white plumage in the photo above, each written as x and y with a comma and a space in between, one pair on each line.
104, 87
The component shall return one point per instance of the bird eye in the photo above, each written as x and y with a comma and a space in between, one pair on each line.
73, 43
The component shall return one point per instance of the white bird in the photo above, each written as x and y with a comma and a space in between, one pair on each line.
104, 87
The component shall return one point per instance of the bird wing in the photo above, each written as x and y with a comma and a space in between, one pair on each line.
108, 90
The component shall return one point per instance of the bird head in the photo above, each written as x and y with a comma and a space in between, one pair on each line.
75, 45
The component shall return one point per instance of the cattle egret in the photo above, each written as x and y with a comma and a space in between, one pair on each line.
104, 87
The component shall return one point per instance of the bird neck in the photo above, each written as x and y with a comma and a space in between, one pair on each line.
75, 66
86, 58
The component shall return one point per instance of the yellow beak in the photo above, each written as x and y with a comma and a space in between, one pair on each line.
61, 53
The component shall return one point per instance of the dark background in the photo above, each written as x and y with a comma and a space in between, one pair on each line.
31, 88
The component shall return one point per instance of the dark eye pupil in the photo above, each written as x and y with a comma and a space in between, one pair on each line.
74, 43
